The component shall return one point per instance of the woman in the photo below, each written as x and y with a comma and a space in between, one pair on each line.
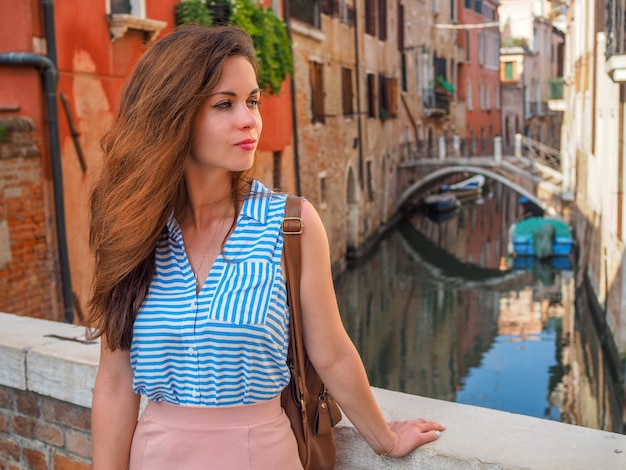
189, 294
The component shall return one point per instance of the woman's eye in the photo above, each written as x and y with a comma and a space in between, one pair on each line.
253, 103
222, 105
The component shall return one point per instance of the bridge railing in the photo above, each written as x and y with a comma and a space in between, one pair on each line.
442, 147
416, 150
537, 152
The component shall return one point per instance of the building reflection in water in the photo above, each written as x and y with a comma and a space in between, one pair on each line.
433, 313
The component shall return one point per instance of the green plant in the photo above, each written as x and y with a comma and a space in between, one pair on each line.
271, 41
3, 132
193, 12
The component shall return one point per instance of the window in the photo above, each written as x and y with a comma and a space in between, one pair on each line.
382, 20
468, 56
317, 92
346, 91
400, 26
323, 189
403, 71
392, 91
478, 6
508, 71
135, 8
124, 15
276, 174
120, 6
370, 180
346, 13
387, 97
277, 7
330, 7
497, 97
480, 47
383, 98
376, 18
468, 96
370, 17
481, 96
468, 4
307, 11
371, 95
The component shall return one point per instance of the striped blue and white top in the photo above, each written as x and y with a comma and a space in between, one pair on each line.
228, 344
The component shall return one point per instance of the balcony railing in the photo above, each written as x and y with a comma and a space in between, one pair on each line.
536, 108
435, 101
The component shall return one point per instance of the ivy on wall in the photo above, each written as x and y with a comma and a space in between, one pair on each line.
271, 41
193, 12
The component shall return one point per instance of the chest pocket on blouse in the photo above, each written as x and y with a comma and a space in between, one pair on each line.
243, 294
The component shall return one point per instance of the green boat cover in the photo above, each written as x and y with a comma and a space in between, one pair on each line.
531, 226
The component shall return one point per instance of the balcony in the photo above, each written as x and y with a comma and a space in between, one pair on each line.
436, 102
616, 40
536, 108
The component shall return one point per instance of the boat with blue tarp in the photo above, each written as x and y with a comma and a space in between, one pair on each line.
540, 237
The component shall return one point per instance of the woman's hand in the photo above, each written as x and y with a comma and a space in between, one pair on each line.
412, 434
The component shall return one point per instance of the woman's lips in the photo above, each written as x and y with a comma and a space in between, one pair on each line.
247, 144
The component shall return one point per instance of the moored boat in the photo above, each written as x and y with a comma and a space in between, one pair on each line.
441, 202
540, 237
474, 182
466, 190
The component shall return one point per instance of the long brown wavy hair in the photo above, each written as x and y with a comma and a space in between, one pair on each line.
141, 178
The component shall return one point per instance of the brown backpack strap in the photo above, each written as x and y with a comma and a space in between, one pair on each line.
292, 252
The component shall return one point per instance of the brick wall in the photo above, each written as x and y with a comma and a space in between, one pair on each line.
42, 433
27, 269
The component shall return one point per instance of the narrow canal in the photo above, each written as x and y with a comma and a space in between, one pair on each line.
438, 310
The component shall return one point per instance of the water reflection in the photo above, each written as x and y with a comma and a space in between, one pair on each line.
434, 312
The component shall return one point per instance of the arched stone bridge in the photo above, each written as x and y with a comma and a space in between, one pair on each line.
539, 183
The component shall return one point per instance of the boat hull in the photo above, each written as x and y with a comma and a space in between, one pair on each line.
525, 246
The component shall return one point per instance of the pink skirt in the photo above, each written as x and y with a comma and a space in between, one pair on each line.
250, 437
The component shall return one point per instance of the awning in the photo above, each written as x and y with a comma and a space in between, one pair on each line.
443, 83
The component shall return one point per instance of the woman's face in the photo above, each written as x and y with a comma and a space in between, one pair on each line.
227, 130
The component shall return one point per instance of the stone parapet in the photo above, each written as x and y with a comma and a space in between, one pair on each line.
47, 373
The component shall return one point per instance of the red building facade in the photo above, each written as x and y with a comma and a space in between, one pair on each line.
479, 79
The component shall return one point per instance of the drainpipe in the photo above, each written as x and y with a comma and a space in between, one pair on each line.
359, 118
294, 114
47, 66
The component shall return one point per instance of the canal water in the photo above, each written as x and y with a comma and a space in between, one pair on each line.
439, 310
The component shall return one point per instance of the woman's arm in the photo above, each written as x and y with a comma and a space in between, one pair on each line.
114, 410
336, 359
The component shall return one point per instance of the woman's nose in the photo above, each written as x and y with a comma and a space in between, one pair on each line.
247, 117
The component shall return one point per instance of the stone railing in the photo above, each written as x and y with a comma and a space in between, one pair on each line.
47, 372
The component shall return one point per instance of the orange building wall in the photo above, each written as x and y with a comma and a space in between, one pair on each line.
20, 87
276, 114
